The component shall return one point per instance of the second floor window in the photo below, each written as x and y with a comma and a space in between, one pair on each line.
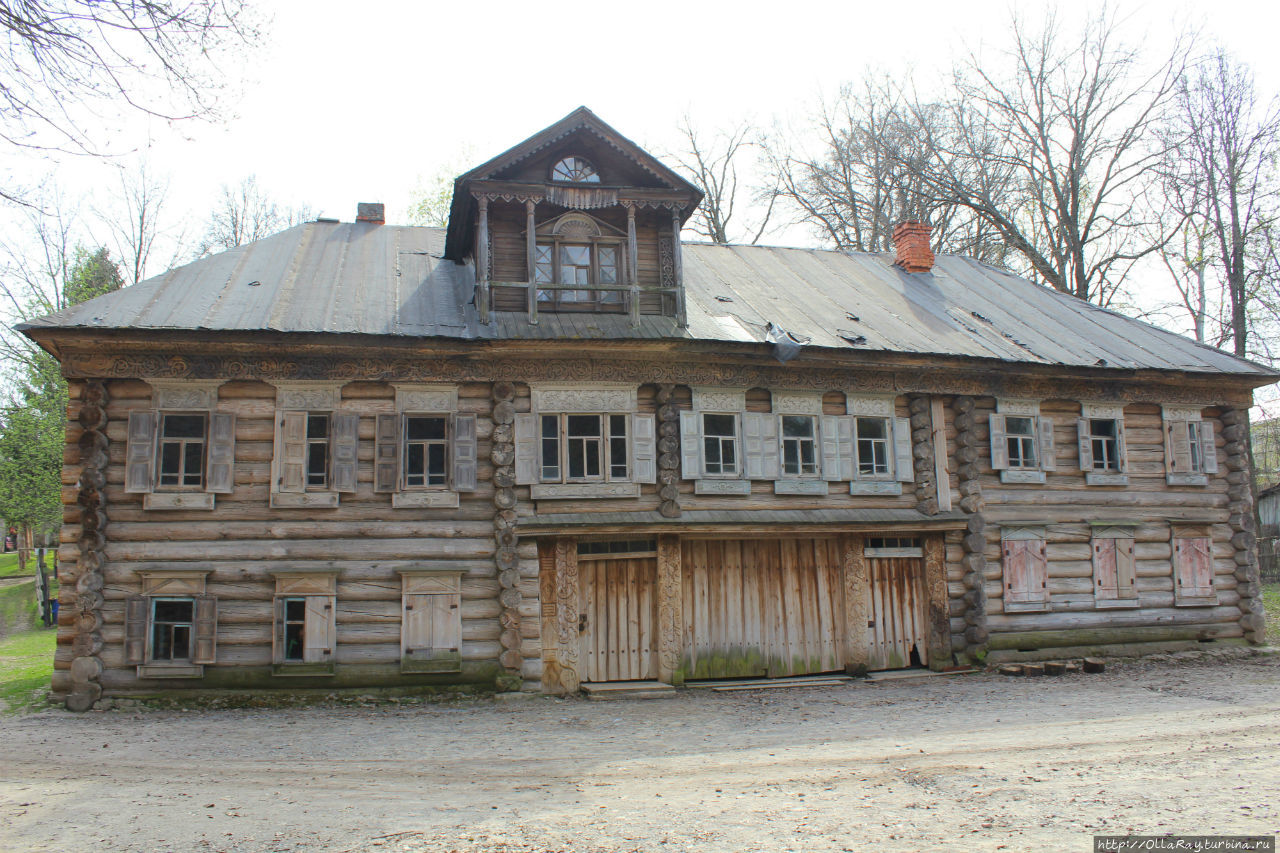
871, 436
577, 264
720, 445
1020, 435
182, 444
583, 447
426, 451
799, 446
317, 451
1104, 442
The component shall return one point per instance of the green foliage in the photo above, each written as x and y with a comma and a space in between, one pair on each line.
26, 667
92, 274
430, 203
1271, 604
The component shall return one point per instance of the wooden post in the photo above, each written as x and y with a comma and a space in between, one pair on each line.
531, 258
682, 318
937, 415
670, 611
567, 611
936, 602
855, 605
633, 272
482, 261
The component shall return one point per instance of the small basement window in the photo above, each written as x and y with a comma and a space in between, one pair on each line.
892, 546
604, 550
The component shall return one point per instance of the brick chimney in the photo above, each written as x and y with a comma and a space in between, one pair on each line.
911, 240
373, 213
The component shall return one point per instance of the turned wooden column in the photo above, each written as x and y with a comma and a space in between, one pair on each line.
531, 259
855, 604
482, 261
633, 269
670, 609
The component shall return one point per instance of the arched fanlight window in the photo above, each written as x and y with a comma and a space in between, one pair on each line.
575, 170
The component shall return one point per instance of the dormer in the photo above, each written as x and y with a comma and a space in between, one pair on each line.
577, 218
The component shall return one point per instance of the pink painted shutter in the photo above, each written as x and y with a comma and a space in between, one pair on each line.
293, 452
1038, 575
135, 629
139, 466
999, 444
206, 629
1121, 454
222, 453
345, 445
1193, 558
1015, 571
386, 454
1126, 571
1105, 584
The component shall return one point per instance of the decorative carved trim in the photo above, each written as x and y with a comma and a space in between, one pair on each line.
670, 610
668, 452
567, 611
875, 487
1014, 475
309, 396
1181, 413
174, 582
191, 394
796, 402
1021, 532
557, 491
1104, 478
571, 398
719, 399
302, 582
178, 500
437, 499
666, 261
1102, 410
303, 500
426, 398
871, 406
856, 585
86, 665
722, 487
505, 518
1006, 406
800, 487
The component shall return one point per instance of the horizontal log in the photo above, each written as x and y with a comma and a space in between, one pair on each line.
1144, 617
326, 528
120, 571
250, 549
1104, 636
1223, 637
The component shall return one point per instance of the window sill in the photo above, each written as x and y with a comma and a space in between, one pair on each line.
722, 487
425, 661
1187, 479
441, 499
560, 491
1026, 606
1196, 601
875, 487
178, 500
302, 669
171, 670
1104, 478
1116, 604
1021, 475
304, 500
800, 487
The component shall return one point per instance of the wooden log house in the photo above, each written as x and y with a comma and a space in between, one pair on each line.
552, 444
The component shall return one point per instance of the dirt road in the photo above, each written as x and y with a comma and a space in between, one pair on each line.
983, 762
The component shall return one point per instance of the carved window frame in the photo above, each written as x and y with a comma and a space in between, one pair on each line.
602, 401
182, 397
1179, 422
171, 584
1093, 476
309, 399
578, 162
882, 407
720, 401
319, 591
1041, 429
560, 231
427, 401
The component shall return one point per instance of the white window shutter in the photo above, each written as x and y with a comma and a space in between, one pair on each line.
222, 453
206, 629
345, 428
1085, 444
903, 469
760, 445
464, 453
999, 443
644, 449
292, 451
319, 630
1121, 455
1048, 449
527, 462
690, 455
386, 454
139, 466
837, 448
1208, 449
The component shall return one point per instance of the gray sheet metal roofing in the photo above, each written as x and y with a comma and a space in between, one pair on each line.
372, 279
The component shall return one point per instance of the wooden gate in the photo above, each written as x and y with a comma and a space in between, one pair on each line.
757, 607
896, 613
617, 618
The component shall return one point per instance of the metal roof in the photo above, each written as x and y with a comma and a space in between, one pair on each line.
363, 278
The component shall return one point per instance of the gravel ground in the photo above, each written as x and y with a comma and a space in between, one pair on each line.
973, 762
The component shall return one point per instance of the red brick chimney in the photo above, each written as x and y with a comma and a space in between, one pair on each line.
372, 213
911, 240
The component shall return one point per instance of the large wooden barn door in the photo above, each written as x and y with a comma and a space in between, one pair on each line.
757, 607
896, 613
618, 617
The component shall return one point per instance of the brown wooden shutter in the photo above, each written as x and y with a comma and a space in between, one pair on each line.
222, 453
1105, 584
1048, 447
135, 629
1177, 448
320, 629
999, 444
386, 454
292, 476
139, 466
1084, 443
1193, 567
277, 635
464, 453
1121, 453
1208, 449
903, 468
690, 451
1126, 571
206, 629
644, 449
345, 447
528, 464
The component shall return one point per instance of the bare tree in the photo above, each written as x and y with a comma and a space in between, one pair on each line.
713, 165
70, 64
246, 213
1072, 123
136, 220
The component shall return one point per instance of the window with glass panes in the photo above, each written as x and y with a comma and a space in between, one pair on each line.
1020, 436
317, 451
1104, 440
871, 436
426, 451
577, 264
583, 447
720, 445
182, 443
295, 628
799, 445
171, 632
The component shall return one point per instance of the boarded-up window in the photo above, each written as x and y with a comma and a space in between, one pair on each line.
1114, 576
1193, 571
1025, 564
431, 630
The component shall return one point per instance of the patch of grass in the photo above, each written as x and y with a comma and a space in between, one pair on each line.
9, 565
26, 665
1271, 601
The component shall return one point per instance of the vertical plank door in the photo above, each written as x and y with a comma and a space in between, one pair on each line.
618, 609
